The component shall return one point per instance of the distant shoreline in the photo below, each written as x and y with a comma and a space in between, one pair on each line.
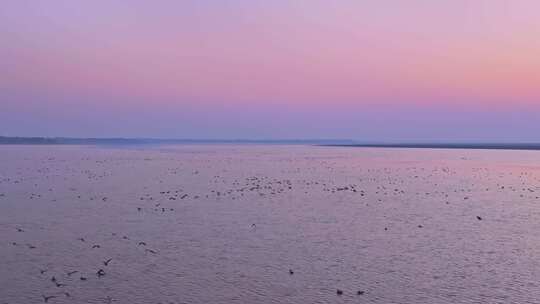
315, 142
153, 141
486, 146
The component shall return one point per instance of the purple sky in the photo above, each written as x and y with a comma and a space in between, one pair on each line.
414, 70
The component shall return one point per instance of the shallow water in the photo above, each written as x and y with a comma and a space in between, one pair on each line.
224, 224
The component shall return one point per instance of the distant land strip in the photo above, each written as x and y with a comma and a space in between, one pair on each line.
478, 146
9, 140
6, 140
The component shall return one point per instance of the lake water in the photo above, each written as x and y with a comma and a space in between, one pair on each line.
227, 224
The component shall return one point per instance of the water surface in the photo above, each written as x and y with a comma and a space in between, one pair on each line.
226, 223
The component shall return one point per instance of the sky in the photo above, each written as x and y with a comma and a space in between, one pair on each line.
369, 70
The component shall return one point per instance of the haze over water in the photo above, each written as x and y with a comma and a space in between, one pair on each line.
227, 224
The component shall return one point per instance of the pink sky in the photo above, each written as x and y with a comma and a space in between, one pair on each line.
374, 70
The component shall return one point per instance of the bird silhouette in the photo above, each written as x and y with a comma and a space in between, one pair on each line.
47, 298
106, 263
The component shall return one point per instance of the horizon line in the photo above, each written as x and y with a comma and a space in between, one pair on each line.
343, 142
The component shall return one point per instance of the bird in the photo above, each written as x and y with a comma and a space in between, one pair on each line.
72, 272
59, 284
339, 292
42, 271
83, 279
479, 218
106, 263
151, 251
47, 298
53, 279
142, 243
20, 230
360, 292
100, 273
96, 246
291, 272
81, 239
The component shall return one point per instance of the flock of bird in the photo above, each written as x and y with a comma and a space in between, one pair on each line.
371, 186
100, 272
